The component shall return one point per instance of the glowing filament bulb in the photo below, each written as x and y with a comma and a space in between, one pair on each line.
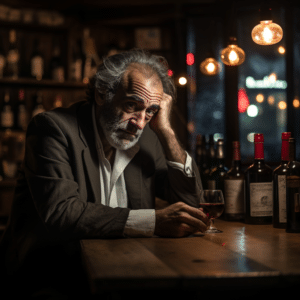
210, 67
233, 57
267, 35
182, 81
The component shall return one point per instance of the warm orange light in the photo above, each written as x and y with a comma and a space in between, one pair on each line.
182, 81
273, 77
260, 98
282, 105
271, 100
281, 49
296, 103
267, 33
210, 67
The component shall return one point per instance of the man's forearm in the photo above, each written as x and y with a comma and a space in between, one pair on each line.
171, 146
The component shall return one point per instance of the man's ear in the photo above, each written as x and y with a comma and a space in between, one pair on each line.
99, 98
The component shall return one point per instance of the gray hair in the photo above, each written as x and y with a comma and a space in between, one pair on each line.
110, 73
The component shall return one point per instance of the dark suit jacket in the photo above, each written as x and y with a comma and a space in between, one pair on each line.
57, 197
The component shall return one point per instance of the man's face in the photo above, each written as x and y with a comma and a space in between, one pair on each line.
135, 103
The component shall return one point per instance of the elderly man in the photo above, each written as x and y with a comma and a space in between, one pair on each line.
93, 170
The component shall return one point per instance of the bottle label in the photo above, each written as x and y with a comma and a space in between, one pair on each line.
22, 118
77, 70
7, 118
58, 74
282, 198
234, 196
37, 67
9, 169
261, 199
13, 56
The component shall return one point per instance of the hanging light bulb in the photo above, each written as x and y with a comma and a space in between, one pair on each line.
267, 32
232, 55
210, 66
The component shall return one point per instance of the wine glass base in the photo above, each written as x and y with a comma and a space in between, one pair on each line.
213, 230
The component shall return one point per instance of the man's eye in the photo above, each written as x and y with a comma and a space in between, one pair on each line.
130, 105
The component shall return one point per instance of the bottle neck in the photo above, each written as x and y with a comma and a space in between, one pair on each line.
292, 151
285, 150
259, 151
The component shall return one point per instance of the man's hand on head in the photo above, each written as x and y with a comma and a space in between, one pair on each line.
161, 120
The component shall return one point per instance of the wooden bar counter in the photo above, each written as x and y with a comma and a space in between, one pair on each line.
243, 258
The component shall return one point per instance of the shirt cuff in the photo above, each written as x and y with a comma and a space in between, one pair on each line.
140, 223
187, 168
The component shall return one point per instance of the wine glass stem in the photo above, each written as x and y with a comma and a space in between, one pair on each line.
211, 223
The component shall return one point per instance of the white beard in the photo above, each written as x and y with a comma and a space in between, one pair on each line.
111, 126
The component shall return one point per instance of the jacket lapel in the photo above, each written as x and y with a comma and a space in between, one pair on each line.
89, 154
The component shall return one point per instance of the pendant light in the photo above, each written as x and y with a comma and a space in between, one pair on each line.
232, 55
210, 66
267, 32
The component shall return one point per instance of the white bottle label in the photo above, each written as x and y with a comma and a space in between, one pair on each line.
37, 67
234, 196
7, 118
261, 199
282, 198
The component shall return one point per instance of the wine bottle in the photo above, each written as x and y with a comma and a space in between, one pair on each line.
38, 106
293, 190
21, 112
13, 56
77, 62
7, 115
216, 176
37, 61
201, 154
279, 184
234, 188
259, 187
2, 58
56, 66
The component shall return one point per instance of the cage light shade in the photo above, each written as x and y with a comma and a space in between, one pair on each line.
233, 55
210, 67
267, 33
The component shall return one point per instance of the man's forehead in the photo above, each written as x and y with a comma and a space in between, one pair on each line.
137, 77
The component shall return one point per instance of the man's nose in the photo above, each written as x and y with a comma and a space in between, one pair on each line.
140, 120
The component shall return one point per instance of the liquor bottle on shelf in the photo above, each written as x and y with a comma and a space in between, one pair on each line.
38, 106
13, 56
57, 101
7, 115
211, 159
259, 187
56, 65
37, 61
21, 112
279, 184
200, 154
2, 58
293, 190
234, 188
216, 176
77, 63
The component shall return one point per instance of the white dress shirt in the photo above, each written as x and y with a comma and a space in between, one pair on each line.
141, 222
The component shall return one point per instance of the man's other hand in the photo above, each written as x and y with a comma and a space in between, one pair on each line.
179, 220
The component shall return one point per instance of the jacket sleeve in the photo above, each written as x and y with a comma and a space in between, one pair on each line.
54, 191
173, 184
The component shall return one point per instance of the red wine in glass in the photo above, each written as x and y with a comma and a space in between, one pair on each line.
213, 210
212, 203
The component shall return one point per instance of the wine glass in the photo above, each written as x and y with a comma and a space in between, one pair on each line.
212, 202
